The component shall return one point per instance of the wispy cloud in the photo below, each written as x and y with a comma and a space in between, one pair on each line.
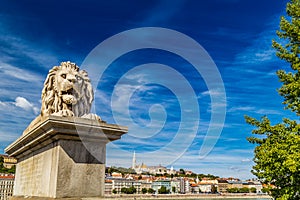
249, 109
216, 93
26, 105
10, 71
16, 46
261, 50
7, 137
246, 160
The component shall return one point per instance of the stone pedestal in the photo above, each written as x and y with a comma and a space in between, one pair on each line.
62, 157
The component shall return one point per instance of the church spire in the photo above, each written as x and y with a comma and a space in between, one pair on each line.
133, 161
197, 179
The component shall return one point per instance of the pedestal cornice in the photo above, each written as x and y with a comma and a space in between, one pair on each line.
54, 128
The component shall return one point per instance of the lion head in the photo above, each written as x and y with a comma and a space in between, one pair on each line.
67, 91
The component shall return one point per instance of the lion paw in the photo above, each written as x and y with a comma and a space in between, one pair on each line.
92, 116
64, 113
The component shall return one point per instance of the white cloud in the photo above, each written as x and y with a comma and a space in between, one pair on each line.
265, 55
18, 73
2, 104
20, 47
268, 112
254, 110
7, 137
211, 93
23, 103
241, 108
140, 78
26, 105
246, 160
261, 50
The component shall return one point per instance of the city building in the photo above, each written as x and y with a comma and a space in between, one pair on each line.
257, 185
156, 185
144, 169
184, 186
222, 186
6, 186
194, 188
108, 189
145, 184
116, 175
205, 185
116, 184
8, 162
175, 185
235, 184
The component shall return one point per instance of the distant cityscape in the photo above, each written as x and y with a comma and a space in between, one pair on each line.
143, 179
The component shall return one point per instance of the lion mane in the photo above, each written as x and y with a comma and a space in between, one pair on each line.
67, 91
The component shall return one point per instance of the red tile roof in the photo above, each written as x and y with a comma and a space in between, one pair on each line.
7, 177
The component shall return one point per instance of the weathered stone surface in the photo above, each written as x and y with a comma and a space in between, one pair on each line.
63, 157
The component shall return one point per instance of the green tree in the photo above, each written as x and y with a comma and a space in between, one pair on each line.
124, 190
144, 190
277, 151
173, 189
163, 190
114, 191
131, 190
181, 171
232, 190
151, 191
265, 190
253, 190
244, 190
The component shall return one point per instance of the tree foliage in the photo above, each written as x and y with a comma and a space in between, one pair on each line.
130, 190
144, 190
163, 190
253, 190
151, 191
277, 151
290, 32
238, 190
121, 170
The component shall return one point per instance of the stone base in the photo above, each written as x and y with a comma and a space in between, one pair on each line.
61, 158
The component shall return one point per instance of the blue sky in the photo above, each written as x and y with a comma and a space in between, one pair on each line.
146, 89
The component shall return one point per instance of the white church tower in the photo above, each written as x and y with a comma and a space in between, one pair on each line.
133, 161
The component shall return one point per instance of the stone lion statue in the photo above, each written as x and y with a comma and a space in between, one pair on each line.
67, 92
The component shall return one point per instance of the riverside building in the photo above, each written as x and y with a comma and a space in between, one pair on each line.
6, 186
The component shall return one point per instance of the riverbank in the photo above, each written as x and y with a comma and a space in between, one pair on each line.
183, 196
